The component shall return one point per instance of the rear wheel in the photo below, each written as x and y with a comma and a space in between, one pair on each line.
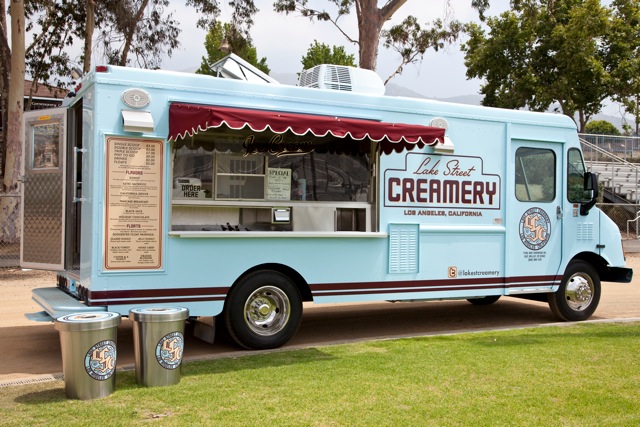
263, 310
579, 293
484, 300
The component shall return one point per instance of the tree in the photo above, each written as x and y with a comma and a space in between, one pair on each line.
601, 127
145, 30
5, 69
55, 25
320, 53
88, 35
370, 21
9, 211
539, 54
623, 55
138, 28
16, 99
133, 32
411, 41
236, 42
407, 38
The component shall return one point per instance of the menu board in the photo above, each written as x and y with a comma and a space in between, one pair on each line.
133, 226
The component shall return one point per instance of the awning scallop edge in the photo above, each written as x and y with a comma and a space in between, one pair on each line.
189, 119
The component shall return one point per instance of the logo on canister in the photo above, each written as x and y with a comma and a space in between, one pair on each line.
100, 360
169, 350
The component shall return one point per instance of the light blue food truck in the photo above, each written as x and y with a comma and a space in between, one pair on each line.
242, 198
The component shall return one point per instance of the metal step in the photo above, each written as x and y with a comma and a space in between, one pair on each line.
58, 303
40, 316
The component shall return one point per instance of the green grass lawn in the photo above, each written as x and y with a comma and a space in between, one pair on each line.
579, 375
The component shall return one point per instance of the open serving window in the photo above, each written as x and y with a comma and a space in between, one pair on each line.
252, 170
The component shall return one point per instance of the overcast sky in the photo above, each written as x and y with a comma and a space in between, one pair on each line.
284, 40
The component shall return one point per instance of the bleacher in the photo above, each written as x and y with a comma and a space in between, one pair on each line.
613, 159
619, 178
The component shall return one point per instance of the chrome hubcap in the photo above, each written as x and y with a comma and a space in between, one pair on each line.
579, 292
267, 310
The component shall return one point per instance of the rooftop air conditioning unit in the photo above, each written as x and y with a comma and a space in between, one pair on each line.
341, 77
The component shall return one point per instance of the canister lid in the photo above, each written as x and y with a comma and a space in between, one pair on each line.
88, 321
158, 314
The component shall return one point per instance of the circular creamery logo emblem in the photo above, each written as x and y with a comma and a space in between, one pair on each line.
535, 228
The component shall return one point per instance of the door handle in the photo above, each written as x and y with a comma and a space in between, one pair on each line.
77, 185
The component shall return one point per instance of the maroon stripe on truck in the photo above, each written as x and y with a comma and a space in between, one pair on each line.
150, 296
173, 295
361, 288
164, 292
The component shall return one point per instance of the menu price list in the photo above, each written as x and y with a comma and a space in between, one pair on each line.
134, 204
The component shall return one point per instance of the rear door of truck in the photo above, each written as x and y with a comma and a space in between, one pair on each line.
43, 189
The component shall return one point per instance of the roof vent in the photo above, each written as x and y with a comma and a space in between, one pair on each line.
341, 77
234, 67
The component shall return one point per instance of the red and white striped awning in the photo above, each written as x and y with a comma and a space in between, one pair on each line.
189, 119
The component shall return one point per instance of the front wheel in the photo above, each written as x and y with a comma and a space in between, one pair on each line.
579, 293
263, 310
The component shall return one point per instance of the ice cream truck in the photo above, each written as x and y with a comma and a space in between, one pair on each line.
242, 198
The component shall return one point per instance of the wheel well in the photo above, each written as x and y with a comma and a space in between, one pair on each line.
596, 261
301, 284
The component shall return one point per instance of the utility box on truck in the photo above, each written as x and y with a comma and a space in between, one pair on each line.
243, 199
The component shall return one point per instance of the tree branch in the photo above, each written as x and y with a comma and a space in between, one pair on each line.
335, 23
131, 31
318, 16
395, 73
390, 8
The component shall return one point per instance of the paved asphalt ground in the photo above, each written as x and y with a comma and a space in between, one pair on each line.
32, 350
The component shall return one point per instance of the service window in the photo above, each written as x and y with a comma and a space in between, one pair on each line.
239, 177
192, 172
535, 175
227, 165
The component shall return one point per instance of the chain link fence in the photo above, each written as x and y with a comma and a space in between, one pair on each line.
626, 217
10, 249
609, 147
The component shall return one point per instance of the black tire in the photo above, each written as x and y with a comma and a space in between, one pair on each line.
484, 300
263, 310
579, 293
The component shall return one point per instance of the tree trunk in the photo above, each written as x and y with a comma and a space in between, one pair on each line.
583, 119
370, 22
130, 33
88, 39
369, 27
9, 206
5, 61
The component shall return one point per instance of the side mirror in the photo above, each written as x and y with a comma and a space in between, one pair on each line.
590, 192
